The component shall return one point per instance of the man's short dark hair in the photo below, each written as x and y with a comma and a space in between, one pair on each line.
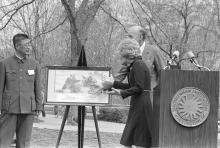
19, 37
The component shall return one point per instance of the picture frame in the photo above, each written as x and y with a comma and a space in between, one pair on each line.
76, 86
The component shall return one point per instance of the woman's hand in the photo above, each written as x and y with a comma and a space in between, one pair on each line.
106, 85
114, 92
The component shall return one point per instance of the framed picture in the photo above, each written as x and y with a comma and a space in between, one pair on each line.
76, 85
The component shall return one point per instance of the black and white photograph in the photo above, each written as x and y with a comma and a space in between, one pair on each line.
109, 73
83, 86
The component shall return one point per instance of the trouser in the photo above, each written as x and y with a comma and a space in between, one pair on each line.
153, 85
21, 124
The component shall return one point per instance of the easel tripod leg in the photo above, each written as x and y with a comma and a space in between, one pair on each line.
62, 125
81, 121
96, 125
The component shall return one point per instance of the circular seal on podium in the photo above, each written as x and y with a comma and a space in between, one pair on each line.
190, 106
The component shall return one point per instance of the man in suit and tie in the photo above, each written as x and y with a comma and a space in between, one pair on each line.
20, 94
151, 55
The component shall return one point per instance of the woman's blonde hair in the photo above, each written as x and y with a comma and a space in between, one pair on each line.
129, 48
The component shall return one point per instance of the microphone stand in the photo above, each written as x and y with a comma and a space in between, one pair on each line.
166, 67
170, 66
199, 66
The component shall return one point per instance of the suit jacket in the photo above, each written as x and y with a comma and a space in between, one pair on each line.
153, 59
20, 85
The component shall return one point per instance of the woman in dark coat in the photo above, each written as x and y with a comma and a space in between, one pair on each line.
137, 130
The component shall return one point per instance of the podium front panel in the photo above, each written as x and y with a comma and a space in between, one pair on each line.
168, 132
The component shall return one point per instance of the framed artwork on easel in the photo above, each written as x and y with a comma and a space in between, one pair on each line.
77, 85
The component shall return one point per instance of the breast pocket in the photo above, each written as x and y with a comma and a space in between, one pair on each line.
30, 78
11, 75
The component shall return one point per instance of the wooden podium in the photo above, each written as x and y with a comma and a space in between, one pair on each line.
182, 92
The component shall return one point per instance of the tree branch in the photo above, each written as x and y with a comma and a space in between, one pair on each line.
68, 11
113, 18
210, 30
15, 11
6, 14
155, 39
83, 6
205, 51
17, 26
9, 4
150, 28
132, 5
96, 3
21, 13
155, 23
218, 15
54, 28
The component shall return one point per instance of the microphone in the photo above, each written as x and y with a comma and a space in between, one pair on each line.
174, 57
193, 60
191, 56
176, 54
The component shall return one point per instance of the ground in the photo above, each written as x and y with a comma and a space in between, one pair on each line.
46, 138
46, 131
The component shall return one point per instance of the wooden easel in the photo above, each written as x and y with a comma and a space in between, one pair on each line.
81, 114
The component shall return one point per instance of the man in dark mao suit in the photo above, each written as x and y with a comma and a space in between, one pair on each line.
20, 94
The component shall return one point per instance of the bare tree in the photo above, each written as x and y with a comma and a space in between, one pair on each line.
37, 19
80, 19
14, 7
79, 16
170, 24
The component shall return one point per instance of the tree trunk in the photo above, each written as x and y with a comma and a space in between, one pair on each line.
75, 47
79, 24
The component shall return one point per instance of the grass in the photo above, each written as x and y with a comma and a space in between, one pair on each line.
42, 138
46, 138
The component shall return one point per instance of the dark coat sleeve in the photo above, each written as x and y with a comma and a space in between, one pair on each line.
37, 88
2, 82
139, 76
120, 85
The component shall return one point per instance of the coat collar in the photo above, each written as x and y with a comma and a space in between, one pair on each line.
135, 60
19, 59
